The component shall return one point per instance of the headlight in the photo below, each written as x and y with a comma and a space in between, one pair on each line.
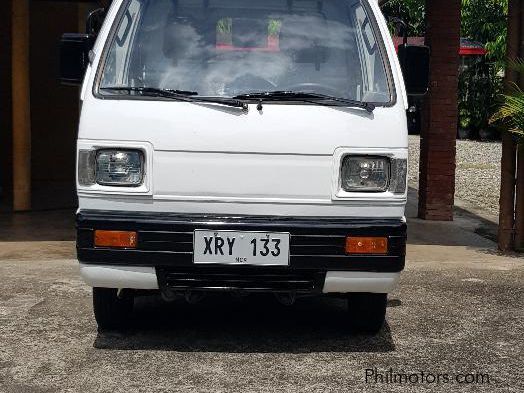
365, 174
374, 174
111, 167
119, 167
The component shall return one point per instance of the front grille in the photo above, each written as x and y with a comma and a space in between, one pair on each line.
244, 279
182, 242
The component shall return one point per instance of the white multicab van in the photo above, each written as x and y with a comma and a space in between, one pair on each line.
232, 145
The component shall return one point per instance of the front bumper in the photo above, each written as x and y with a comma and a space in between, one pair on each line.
318, 262
138, 277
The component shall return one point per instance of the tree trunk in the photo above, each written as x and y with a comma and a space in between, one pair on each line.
508, 163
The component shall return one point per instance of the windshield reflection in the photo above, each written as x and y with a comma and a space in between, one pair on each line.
234, 47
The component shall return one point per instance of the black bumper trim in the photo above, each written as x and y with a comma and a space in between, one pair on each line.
166, 240
241, 279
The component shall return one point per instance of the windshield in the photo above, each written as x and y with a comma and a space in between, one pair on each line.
225, 48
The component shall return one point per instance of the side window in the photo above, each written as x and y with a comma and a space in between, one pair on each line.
373, 73
117, 63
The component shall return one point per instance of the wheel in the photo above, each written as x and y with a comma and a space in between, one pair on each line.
112, 310
367, 312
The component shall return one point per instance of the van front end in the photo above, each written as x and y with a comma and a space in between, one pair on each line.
243, 147
286, 223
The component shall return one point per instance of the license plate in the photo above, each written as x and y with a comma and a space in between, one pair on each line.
241, 248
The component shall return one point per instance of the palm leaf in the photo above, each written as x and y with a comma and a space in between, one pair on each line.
517, 65
510, 115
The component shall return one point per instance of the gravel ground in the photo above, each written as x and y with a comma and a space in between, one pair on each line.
478, 171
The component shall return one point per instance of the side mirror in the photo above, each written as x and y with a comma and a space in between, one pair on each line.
414, 61
74, 57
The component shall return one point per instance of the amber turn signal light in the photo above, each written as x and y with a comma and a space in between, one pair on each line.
366, 245
115, 239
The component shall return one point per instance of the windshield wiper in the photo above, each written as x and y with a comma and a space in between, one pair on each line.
179, 95
315, 98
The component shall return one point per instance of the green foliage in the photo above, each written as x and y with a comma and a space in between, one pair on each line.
486, 21
224, 25
479, 86
481, 83
511, 113
410, 11
274, 27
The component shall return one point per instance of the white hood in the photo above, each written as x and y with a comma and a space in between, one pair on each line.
278, 129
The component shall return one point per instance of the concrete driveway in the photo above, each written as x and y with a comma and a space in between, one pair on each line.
457, 317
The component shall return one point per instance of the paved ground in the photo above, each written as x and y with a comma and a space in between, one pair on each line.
458, 311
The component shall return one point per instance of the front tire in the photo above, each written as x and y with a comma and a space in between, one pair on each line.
366, 312
112, 310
